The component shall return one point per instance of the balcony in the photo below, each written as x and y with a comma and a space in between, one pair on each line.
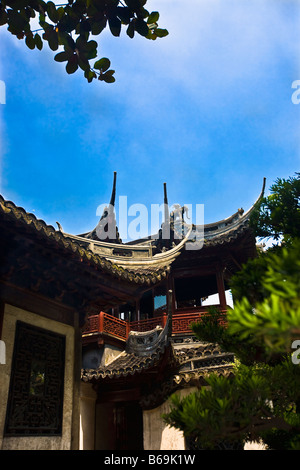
105, 324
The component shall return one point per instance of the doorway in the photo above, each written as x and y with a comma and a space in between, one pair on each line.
119, 426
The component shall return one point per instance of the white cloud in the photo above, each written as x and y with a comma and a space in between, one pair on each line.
215, 49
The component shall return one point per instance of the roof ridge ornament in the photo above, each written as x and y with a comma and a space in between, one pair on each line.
113, 193
106, 229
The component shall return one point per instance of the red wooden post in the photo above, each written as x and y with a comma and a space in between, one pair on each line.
127, 329
164, 319
101, 322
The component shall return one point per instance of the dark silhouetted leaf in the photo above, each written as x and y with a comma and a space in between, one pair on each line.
115, 25
52, 13
38, 41
53, 40
125, 14
141, 27
98, 26
72, 65
61, 57
29, 41
130, 30
102, 64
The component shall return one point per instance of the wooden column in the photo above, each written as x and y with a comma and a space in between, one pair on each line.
221, 287
101, 322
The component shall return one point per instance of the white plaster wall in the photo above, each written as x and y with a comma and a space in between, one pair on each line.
159, 436
110, 354
87, 417
63, 442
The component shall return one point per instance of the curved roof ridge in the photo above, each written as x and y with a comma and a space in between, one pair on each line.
258, 199
8, 208
239, 212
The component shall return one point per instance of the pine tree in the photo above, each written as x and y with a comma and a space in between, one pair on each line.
261, 400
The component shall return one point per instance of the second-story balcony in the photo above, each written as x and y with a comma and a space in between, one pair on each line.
110, 326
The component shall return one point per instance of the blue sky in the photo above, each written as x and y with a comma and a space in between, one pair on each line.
207, 109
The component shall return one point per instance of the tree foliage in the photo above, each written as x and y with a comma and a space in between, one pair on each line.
261, 400
278, 215
71, 28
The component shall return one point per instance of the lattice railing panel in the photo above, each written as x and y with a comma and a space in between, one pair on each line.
181, 323
92, 324
114, 326
147, 325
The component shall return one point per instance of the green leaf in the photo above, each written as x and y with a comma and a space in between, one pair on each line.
52, 13
60, 13
102, 64
161, 32
108, 76
38, 41
153, 17
89, 75
66, 40
83, 63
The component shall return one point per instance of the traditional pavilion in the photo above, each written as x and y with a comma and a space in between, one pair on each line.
116, 318
136, 353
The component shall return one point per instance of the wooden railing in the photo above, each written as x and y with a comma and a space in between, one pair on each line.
107, 324
181, 322
147, 325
